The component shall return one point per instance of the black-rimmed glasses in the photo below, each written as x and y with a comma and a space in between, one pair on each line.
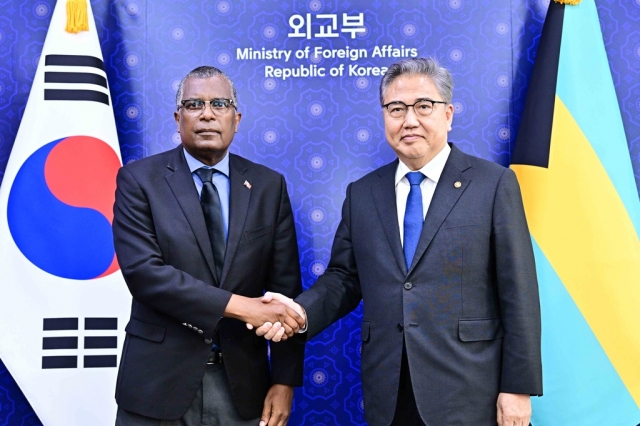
219, 106
423, 107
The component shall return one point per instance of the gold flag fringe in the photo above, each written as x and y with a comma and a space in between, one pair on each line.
569, 2
77, 17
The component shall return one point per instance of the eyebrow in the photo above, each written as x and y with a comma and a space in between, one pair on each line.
417, 100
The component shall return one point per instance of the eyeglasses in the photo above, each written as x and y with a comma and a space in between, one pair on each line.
219, 106
423, 107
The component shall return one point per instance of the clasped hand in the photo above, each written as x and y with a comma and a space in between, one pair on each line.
255, 312
277, 331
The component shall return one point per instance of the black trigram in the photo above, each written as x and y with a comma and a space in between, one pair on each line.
71, 342
72, 77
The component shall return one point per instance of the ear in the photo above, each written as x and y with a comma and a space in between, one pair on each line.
449, 114
237, 119
176, 116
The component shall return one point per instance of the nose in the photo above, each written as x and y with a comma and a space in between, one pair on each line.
411, 118
207, 112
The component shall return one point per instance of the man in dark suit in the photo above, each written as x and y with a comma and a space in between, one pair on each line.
437, 246
200, 234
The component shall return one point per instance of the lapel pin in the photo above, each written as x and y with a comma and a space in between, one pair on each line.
247, 184
457, 184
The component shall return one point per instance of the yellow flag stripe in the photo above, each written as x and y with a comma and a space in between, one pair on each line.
584, 230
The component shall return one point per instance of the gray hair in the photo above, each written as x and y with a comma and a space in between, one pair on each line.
205, 72
429, 67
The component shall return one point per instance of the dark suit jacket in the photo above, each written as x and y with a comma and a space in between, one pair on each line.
467, 309
166, 258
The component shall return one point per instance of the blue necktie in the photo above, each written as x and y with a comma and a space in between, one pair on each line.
413, 218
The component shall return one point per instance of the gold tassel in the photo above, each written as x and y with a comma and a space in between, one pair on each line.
77, 16
569, 2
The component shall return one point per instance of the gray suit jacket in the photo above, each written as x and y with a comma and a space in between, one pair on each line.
467, 309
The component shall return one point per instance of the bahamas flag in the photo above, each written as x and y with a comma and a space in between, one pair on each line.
572, 161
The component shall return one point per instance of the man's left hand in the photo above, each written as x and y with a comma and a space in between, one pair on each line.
277, 406
514, 409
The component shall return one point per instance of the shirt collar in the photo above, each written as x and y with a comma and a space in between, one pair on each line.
222, 166
433, 169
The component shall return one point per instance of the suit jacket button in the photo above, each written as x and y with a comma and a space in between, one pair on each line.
400, 327
407, 286
208, 341
200, 331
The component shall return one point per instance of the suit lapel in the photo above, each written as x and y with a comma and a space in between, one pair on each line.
183, 188
385, 201
444, 199
239, 198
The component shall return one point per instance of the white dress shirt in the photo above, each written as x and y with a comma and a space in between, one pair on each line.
432, 170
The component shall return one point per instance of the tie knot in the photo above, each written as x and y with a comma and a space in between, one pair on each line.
205, 174
415, 178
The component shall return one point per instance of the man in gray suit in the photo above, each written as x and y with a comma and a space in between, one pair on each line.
437, 246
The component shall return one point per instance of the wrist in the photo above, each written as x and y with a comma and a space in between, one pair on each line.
236, 308
306, 322
282, 385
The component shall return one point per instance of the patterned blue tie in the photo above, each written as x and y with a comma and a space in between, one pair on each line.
413, 218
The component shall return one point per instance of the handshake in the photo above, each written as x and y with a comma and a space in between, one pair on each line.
277, 317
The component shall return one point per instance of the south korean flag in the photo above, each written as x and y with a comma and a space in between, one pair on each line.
63, 301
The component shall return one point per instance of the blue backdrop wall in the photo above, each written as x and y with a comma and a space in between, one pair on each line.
321, 132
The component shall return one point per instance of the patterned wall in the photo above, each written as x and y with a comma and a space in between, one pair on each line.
320, 132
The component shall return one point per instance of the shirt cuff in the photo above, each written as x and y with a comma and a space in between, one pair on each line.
306, 321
